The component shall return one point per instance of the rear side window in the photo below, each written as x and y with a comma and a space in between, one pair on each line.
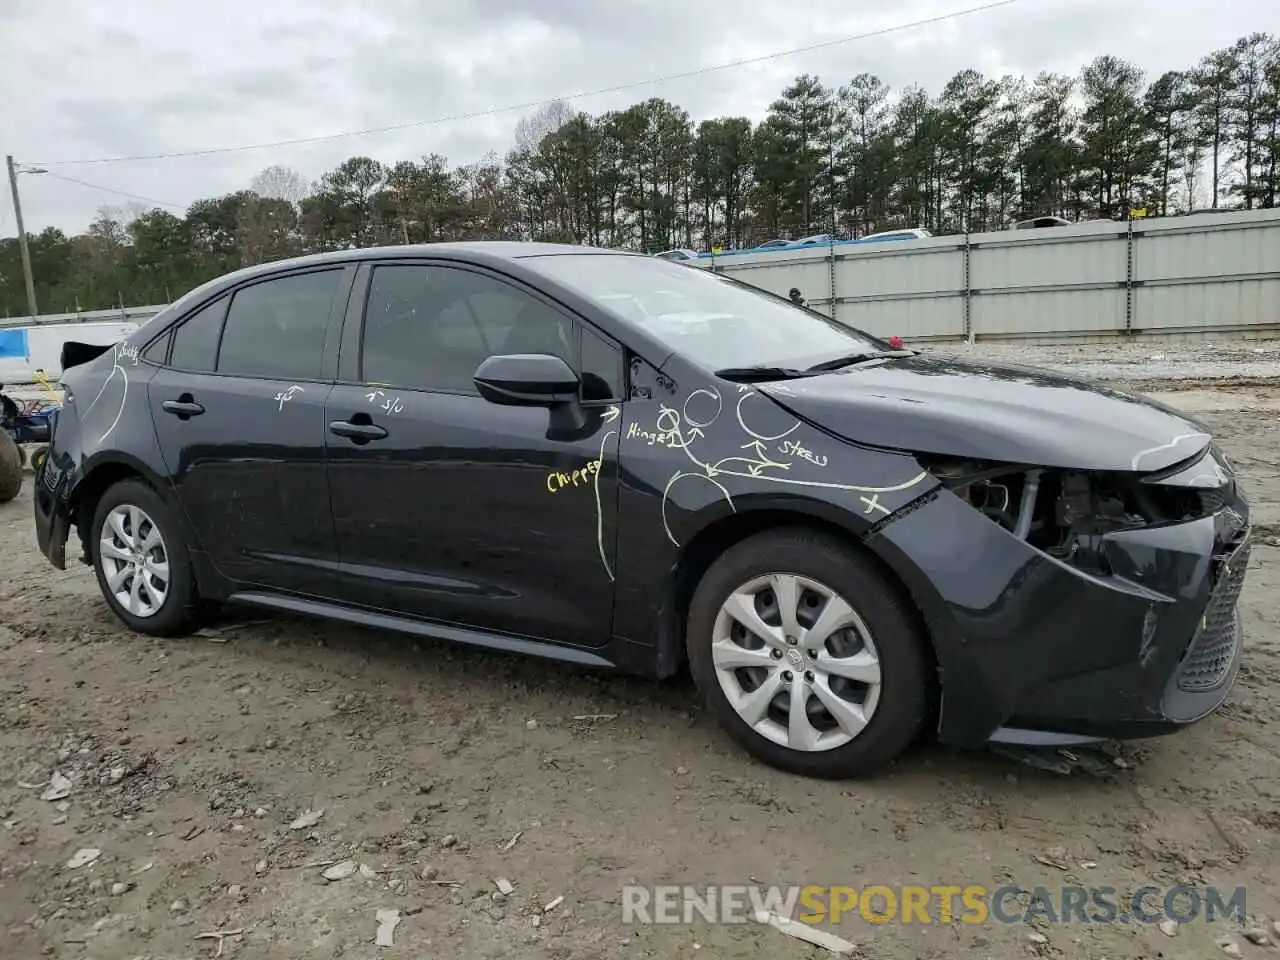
276, 329
195, 341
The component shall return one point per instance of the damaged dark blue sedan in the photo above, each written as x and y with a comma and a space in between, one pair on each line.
617, 461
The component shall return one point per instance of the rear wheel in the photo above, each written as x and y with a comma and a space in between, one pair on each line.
808, 655
11, 461
141, 560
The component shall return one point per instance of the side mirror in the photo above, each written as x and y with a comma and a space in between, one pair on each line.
526, 380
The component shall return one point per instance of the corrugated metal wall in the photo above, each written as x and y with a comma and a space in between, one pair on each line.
1176, 276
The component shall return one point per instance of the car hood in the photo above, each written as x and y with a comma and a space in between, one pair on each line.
993, 412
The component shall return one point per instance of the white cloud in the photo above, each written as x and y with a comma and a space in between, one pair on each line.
89, 79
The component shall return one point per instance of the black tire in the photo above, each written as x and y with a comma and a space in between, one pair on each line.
176, 613
10, 468
906, 665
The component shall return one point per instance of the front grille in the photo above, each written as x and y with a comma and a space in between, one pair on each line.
1209, 656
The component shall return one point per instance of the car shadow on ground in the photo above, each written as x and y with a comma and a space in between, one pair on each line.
490, 677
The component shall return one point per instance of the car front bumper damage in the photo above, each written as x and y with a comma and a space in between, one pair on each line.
1035, 651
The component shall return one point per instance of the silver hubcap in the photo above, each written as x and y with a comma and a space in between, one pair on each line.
134, 560
796, 661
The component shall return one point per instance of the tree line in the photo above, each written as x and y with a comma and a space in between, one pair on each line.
850, 159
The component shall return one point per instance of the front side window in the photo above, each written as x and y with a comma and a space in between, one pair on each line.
712, 320
276, 329
429, 327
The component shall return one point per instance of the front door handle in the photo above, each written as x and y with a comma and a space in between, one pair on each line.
184, 407
357, 432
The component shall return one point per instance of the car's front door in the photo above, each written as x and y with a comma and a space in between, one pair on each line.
449, 507
239, 410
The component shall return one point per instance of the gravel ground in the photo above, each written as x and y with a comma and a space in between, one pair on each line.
190, 761
1140, 362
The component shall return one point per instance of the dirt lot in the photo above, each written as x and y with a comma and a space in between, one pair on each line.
190, 759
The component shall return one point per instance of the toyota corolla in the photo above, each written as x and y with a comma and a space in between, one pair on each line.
617, 461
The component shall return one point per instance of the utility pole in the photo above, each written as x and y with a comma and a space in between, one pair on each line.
22, 239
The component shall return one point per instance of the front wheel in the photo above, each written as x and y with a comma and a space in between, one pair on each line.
141, 561
808, 655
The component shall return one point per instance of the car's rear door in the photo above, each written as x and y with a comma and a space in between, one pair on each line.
239, 410
457, 509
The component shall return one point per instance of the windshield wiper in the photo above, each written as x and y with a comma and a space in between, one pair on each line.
850, 359
766, 372
760, 374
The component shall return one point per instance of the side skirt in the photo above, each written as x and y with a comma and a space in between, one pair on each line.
422, 628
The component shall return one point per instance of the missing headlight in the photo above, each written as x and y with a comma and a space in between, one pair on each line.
1065, 513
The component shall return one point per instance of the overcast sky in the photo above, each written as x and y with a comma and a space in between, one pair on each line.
87, 79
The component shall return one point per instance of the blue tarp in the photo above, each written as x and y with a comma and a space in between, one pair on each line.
13, 344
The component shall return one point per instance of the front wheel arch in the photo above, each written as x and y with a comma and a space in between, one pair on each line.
718, 536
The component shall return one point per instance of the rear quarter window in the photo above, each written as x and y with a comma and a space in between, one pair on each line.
195, 339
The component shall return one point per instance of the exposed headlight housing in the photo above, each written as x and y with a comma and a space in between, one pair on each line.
1064, 513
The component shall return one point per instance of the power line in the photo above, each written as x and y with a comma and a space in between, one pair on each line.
493, 111
122, 193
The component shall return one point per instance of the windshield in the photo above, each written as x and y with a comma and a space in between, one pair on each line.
711, 320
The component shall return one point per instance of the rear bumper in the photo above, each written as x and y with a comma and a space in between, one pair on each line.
52, 513
1034, 651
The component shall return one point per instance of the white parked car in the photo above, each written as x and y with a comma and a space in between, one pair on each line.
915, 233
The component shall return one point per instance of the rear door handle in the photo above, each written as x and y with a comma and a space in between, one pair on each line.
183, 407
357, 432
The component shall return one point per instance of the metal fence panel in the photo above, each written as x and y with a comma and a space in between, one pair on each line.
805, 269
1217, 272
1189, 275
1019, 262
912, 318
929, 269
1022, 313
